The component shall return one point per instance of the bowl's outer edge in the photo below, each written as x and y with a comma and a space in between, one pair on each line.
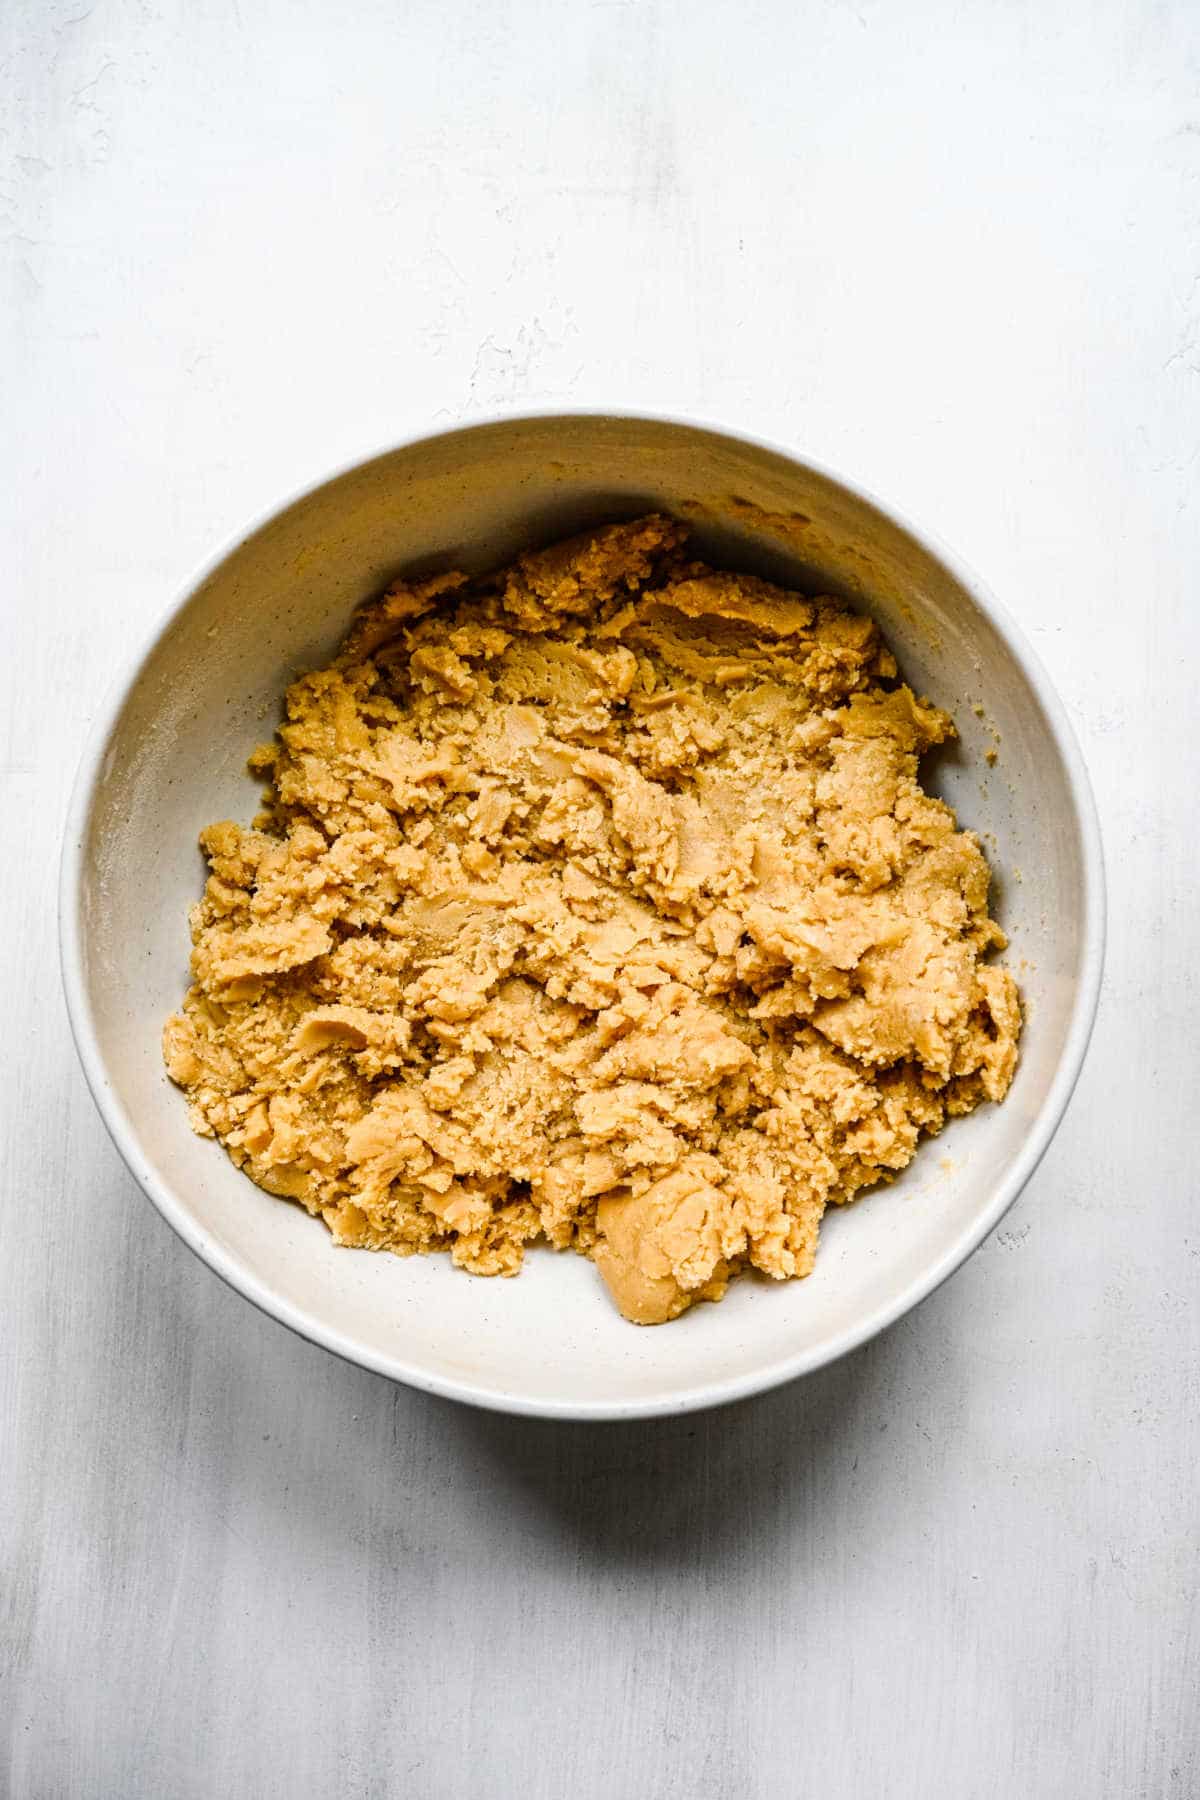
120, 1126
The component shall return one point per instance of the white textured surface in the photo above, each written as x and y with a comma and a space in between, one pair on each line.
949, 248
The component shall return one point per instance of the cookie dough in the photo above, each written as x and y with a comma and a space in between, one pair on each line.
596, 902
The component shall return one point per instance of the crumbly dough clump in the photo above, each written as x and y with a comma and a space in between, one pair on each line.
598, 902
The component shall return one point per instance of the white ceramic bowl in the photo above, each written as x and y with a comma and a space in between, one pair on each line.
168, 756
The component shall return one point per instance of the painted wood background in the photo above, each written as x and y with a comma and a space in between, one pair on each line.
952, 247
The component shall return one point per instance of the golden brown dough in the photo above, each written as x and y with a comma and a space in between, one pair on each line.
596, 902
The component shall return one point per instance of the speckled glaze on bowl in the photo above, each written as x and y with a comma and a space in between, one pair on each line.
168, 756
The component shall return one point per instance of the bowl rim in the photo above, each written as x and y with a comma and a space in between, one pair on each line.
172, 1205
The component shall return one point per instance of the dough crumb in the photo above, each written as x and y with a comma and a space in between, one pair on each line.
595, 902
